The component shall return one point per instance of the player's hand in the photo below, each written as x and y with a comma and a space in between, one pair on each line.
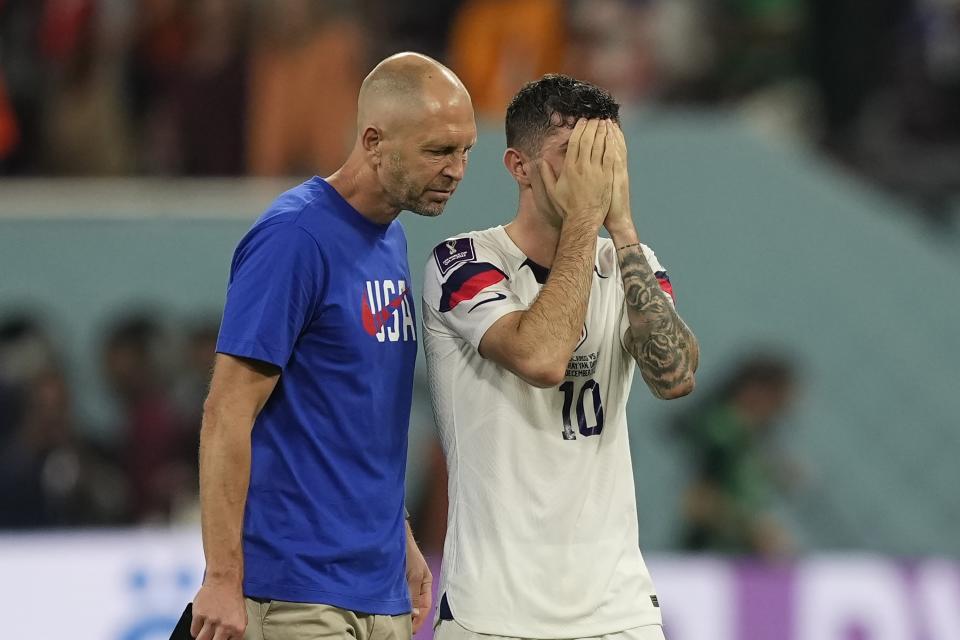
584, 189
420, 581
219, 612
619, 220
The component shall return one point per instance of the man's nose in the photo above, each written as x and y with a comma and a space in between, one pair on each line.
455, 168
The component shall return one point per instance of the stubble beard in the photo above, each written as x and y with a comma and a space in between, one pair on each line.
407, 196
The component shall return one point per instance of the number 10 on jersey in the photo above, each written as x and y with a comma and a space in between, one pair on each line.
568, 389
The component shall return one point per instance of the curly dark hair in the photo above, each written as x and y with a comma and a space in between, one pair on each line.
554, 100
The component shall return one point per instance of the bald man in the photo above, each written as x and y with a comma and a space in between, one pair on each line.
304, 439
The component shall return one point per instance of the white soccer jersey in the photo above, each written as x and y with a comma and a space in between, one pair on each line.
542, 522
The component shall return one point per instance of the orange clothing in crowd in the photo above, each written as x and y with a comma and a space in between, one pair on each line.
303, 101
498, 45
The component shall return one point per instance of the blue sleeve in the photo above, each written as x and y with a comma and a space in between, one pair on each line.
276, 283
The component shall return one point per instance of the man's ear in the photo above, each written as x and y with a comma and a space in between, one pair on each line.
516, 165
370, 140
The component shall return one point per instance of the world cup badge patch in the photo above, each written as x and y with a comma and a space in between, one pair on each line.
453, 252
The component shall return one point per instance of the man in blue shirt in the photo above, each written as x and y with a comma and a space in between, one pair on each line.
304, 439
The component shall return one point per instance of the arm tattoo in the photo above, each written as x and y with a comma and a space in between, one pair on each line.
663, 346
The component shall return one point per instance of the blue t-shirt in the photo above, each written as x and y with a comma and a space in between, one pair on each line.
323, 293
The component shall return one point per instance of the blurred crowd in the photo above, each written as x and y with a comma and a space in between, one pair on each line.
267, 87
56, 471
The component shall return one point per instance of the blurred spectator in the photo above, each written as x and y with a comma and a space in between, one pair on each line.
48, 475
728, 506
9, 133
308, 61
908, 137
208, 112
51, 476
25, 351
85, 124
760, 43
158, 453
723, 51
9, 410
23, 78
498, 45
193, 376
190, 385
158, 56
612, 45
403, 25
852, 55
684, 42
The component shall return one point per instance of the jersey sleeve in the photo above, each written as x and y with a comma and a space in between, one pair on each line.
274, 289
663, 279
466, 289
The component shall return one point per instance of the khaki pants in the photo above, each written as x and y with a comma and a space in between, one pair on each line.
450, 630
278, 620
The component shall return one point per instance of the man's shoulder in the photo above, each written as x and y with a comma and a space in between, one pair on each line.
289, 205
488, 238
281, 231
295, 212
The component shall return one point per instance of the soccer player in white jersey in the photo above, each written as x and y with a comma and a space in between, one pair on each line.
533, 331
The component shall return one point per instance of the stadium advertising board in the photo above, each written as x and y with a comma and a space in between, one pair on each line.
133, 585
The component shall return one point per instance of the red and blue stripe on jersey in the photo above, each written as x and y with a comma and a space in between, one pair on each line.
467, 281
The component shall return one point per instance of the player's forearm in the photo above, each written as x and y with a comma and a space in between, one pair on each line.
553, 323
665, 349
224, 479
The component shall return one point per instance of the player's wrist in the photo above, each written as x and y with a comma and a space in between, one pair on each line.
623, 234
582, 220
223, 576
